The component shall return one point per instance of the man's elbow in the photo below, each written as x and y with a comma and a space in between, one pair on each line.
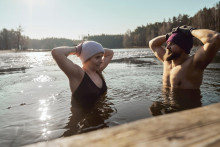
151, 42
217, 39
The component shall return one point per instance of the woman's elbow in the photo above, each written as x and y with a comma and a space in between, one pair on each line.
108, 52
54, 52
111, 53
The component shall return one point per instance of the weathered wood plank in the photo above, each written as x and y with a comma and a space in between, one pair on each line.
196, 127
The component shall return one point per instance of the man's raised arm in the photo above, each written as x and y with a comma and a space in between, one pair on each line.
156, 46
207, 52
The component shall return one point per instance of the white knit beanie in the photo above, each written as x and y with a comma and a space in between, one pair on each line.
89, 49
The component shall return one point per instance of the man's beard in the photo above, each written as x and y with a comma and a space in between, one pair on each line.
171, 56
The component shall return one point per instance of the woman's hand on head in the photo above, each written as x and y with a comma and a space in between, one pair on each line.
107, 57
79, 49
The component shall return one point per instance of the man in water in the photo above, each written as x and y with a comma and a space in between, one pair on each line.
181, 70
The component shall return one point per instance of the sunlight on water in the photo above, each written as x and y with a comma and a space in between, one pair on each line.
45, 132
44, 109
37, 59
42, 78
44, 117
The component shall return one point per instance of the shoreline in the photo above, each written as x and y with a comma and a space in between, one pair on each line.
46, 50
28, 50
37, 50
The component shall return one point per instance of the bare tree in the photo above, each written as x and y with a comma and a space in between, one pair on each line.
18, 35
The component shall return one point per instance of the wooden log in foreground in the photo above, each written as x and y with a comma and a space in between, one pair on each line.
197, 127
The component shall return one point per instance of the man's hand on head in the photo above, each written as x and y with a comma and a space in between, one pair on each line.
184, 29
168, 35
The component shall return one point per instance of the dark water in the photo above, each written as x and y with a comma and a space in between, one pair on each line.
174, 100
35, 98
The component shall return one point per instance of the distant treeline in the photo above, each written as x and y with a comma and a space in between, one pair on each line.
108, 41
12, 39
207, 18
49, 43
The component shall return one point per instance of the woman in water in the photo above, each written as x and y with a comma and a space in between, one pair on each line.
86, 83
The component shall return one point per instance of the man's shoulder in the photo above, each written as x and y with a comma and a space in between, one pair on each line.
188, 64
189, 59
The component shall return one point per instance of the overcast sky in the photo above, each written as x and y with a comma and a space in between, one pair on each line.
74, 18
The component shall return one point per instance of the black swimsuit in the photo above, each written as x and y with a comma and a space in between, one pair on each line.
88, 93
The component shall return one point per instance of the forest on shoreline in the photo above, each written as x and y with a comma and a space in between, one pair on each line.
206, 18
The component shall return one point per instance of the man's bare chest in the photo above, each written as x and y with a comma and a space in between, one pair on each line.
179, 77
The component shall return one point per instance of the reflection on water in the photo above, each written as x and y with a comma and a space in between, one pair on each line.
86, 118
174, 100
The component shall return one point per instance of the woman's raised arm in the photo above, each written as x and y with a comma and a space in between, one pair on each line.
60, 55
